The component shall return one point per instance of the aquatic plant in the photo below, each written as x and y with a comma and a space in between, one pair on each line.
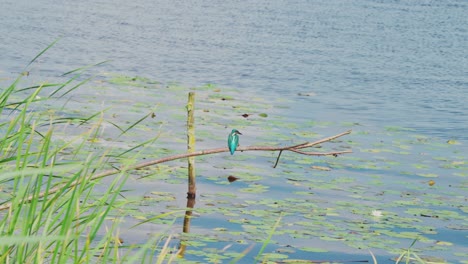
66, 226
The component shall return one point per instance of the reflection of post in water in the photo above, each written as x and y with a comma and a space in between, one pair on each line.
186, 228
191, 171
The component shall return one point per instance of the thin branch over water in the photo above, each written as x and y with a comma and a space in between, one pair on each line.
294, 148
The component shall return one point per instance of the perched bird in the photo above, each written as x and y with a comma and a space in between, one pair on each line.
233, 140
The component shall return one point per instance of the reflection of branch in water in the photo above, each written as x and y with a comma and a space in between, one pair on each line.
294, 148
186, 228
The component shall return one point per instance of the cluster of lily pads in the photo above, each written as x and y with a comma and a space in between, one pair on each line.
399, 195
395, 188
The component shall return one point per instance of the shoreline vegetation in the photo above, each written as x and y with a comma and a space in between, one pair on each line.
66, 225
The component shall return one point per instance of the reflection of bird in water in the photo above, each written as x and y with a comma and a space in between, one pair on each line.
233, 140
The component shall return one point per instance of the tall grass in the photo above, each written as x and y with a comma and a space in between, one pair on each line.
68, 226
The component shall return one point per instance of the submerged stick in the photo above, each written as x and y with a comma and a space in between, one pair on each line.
186, 227
294, 148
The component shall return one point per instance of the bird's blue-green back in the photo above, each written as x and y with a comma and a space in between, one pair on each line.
233, 141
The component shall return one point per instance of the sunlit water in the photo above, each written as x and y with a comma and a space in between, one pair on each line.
376, 63
389, 63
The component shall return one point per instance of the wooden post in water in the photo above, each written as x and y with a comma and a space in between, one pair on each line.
191, 145
191, 172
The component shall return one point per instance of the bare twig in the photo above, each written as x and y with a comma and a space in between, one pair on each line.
295, 148
277, 159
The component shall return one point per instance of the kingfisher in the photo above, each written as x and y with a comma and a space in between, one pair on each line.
233, 140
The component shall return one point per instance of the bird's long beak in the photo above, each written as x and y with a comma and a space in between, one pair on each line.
239, 133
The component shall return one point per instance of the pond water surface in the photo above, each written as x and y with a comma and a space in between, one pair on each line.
395, 72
